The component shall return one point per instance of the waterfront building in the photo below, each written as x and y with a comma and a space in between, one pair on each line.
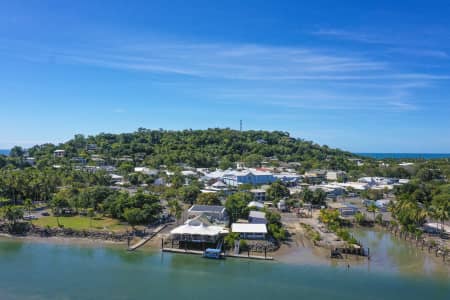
436, 228
345, 210
198, 230
250, 231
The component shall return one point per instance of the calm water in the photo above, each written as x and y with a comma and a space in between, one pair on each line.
52, 271
406, 155
4, 151
397, 256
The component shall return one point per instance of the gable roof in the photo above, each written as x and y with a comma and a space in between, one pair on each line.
257, 214
248, 228
207, 208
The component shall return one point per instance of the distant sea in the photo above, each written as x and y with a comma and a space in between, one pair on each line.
406, 155
4, 151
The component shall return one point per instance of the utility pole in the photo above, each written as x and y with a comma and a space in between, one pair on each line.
240, 125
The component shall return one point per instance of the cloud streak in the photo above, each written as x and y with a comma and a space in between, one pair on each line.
298, 77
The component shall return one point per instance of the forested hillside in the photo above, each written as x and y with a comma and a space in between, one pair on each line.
198, 148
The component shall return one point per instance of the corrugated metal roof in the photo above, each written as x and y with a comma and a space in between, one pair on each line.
248, 228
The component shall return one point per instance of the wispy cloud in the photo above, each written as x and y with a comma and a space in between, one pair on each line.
349, 35
421, 52
395, 101
298, 77
227, 61
403, 106
119, 110
404, 45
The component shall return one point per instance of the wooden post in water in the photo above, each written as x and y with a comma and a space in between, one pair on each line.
265, 252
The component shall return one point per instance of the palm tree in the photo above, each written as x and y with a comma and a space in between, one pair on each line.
29, 206
373, 209
175, 209
440, 209
90, 214
12, 214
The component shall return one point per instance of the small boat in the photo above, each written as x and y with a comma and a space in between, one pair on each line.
212, 253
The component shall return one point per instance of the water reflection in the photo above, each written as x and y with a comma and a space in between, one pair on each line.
70, 272
392, 254
10, 248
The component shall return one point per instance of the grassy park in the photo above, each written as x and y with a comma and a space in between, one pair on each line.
82, 223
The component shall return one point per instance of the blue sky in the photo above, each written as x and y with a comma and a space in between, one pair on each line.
365, 77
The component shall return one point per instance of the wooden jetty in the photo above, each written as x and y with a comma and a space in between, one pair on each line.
147, 238
197, 252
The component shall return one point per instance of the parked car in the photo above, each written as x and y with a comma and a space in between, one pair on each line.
45, 213
29, 217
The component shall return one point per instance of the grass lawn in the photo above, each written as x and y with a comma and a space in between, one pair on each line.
80, 223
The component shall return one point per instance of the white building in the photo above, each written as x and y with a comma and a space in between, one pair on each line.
198, 230
257, 217
250, 231
146, 171
248, 176
288, 178
215, 213
59, 153
30, 160
258, 194
256, 204
336, 175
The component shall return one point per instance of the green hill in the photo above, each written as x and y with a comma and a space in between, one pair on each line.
199, 148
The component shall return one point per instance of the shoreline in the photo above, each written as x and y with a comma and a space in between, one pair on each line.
299, 250
62, 240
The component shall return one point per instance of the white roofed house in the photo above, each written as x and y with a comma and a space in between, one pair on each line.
198, 230
146, 171
257, 217
248, 176
256, 204
116, 178
250, 231
289, 179
59, 153
214, 213
219, 185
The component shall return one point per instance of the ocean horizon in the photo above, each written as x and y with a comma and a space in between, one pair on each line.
386, 155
